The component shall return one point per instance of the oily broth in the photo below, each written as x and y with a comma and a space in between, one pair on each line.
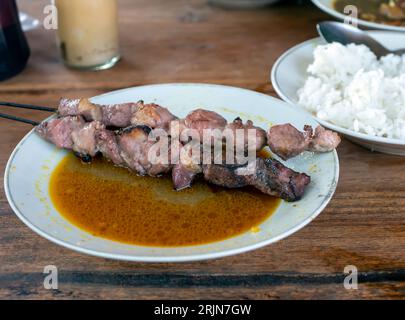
368, 10
112, 203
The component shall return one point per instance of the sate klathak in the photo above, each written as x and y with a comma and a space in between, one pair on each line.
121, 133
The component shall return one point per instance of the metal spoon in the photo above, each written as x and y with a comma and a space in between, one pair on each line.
344, 33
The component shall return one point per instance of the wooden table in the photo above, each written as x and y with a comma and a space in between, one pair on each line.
189, 41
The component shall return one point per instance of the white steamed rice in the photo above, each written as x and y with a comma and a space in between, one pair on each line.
348, 86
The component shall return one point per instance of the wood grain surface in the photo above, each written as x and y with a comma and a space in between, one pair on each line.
189, 41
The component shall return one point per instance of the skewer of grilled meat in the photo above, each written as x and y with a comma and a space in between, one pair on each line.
204, 121
284, 140
153, 116
130, 147
127, 147
118, 115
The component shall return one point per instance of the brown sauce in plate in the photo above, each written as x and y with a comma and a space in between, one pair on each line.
113, 203
369, 10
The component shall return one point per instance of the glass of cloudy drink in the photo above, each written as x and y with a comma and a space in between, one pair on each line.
88, 33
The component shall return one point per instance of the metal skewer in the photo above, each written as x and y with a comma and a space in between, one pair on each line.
27, 106
14, 118
23, 106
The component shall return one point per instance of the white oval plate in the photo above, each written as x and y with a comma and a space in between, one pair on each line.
327, 6
33, 160
289, 74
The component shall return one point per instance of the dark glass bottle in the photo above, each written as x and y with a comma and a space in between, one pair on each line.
14, 50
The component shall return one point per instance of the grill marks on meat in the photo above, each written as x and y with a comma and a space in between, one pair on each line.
183, 176
130, 147
212, 124
73, 133
287, 142
85, 139
108, 145
224, 175
59, 131
284, 140
269, 176
273, 178
118, 115
135, 147
153, 116
187, 168
84, 128
260, 134
201, 119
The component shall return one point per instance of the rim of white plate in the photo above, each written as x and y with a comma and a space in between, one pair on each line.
293, 103
158, 259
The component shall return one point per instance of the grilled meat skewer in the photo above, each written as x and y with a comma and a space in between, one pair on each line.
130, 147
270, 176
284, 140
118, 115
127, 147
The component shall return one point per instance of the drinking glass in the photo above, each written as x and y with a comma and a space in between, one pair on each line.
88, 33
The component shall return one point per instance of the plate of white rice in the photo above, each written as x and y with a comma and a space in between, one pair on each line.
349, 90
